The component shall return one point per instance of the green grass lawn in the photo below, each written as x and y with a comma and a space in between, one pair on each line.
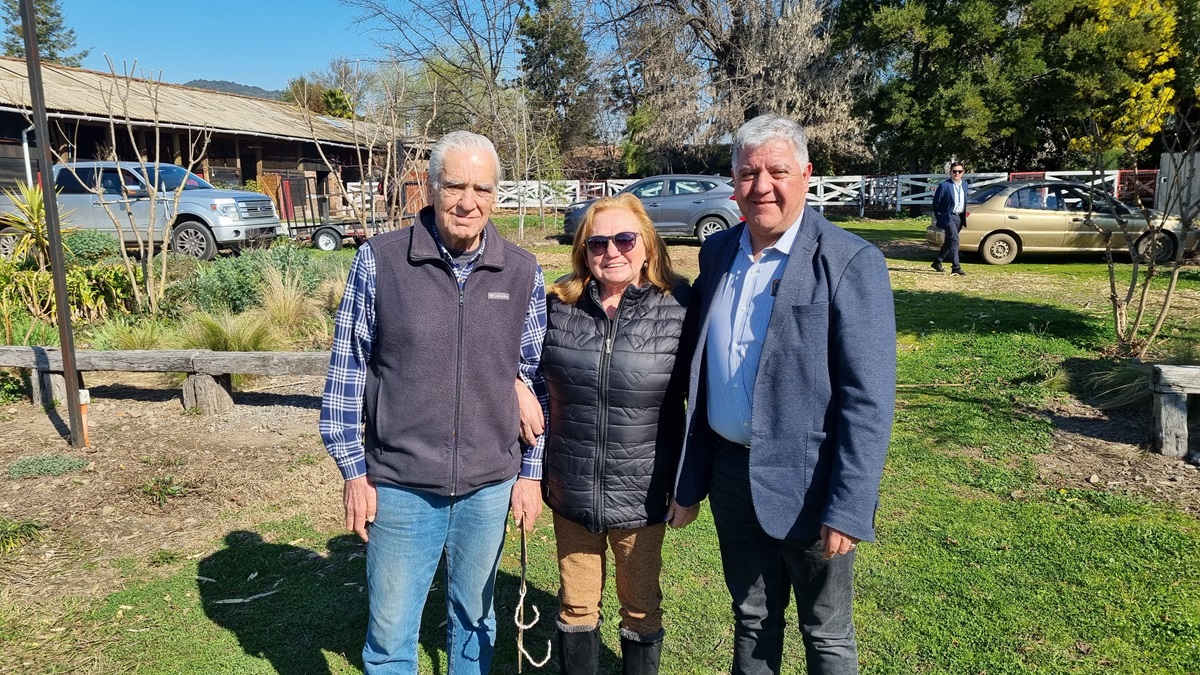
979, 568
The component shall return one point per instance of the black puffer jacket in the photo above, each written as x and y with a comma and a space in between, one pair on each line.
616, 406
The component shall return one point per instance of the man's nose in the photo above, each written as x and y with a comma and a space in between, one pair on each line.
467, 201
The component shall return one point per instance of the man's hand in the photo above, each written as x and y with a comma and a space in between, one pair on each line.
836, 543
526, 502
679, 517
358, 495
533, 422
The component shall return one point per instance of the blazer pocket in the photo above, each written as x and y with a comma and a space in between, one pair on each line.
812, 454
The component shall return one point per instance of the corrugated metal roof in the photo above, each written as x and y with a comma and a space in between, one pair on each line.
90, 93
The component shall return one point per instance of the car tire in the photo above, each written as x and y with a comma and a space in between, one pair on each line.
9, 237
999, 249
192, 238
1166, 247
327, 239
708, 226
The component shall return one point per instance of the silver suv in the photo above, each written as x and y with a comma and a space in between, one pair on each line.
687, 205
207, 218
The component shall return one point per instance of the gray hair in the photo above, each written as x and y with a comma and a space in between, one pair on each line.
465, 141
766, 128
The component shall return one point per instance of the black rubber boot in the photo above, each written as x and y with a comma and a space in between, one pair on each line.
578, 652
640, 658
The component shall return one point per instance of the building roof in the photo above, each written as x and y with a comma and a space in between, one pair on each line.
75, 93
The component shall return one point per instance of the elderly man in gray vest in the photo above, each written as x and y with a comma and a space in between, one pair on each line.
793, 382
427, 409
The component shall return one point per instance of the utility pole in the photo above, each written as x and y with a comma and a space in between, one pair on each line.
57, 268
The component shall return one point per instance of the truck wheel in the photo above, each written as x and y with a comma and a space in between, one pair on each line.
709, 226
327, 240
194, 239
9, 237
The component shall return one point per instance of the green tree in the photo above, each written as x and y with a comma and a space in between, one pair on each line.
556, 70
56, 41
1013, 84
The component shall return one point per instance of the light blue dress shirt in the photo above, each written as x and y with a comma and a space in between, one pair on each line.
741, 310
959, 198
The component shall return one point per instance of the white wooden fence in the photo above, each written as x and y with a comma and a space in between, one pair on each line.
887, 192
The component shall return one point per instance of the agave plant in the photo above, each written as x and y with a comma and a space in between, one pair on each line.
23, 230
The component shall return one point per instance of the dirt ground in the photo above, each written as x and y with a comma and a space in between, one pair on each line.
264, 462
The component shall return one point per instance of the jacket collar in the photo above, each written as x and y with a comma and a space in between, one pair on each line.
425, 248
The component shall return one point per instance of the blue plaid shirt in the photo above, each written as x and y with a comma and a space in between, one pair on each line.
354, 336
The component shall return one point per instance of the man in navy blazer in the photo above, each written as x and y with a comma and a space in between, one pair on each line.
950, 214
792, 389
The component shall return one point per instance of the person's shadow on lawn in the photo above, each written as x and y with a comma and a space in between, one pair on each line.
289, 604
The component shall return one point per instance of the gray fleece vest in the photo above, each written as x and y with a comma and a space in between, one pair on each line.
440, 410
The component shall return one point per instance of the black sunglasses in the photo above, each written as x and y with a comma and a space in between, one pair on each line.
956, 170
624, 242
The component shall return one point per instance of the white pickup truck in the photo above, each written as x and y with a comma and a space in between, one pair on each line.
208, 218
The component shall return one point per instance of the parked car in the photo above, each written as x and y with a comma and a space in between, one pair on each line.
207, 217
688, 205
1007, 219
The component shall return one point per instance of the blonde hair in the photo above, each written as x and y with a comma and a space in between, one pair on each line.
658, 271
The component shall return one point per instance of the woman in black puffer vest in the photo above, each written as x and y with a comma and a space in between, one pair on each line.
616, 426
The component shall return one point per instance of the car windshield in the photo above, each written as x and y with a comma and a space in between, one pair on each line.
983, 194
172, 176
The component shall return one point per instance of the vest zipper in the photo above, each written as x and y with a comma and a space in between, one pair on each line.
602, 413
457, 389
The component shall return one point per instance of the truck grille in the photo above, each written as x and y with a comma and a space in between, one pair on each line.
257, 208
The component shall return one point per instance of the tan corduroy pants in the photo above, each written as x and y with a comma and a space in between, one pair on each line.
637, 555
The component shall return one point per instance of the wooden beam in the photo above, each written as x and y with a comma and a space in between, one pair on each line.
171, 361
1185, 379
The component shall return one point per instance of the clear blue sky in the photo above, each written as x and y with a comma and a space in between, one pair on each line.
258, 42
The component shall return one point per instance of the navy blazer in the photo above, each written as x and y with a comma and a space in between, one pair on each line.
943, 202
825, 390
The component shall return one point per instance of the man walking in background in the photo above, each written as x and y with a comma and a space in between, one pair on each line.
420, 411
950, 214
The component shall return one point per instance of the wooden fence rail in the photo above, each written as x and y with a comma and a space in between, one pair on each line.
207, 386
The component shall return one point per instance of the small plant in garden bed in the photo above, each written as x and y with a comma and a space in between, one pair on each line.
45, 465
163, 557
160, 489
12, 388
14, 533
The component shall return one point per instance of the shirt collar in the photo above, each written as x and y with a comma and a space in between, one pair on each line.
783, 245
445, 253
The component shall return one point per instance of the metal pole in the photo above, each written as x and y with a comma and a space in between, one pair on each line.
58, 270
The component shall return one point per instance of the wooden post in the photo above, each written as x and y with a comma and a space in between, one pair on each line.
1171, 386
211, 394
1170, 423
49, 387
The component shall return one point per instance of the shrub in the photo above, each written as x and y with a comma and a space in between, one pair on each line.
27, 330
160, 489
45, 465
249, 332
85, 247
121, 333
12, 387
286, 304
14, 533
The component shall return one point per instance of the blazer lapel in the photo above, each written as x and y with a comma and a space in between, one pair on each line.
714, 282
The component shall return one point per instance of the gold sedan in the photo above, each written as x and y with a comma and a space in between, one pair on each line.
1007, 219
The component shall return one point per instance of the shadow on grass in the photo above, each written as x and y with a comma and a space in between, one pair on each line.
923, 312
310, 602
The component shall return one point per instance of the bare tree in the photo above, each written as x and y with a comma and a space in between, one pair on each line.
1154, 240
753, 57
131, 99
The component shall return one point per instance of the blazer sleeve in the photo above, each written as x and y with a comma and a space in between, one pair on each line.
863, 344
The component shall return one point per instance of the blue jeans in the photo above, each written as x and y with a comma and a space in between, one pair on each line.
762, 573
410, 532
